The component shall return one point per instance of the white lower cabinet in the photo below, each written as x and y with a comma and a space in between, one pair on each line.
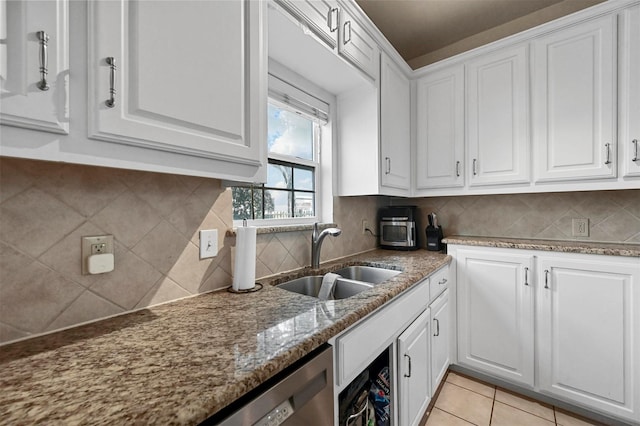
440, 339
401, 336
588, 329
586, 320
413, 370
495, 313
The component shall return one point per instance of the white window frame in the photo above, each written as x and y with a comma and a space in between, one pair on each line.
285, 81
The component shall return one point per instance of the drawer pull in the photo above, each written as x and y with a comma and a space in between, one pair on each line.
346, 34
607, 147
635, 150
546, 278
111, 102
526, 276
442, 281
408, 375
44, 60
437, 333
332, 19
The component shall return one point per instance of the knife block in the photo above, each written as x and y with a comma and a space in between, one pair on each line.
434, 238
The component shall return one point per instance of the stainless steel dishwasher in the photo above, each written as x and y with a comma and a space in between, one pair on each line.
304, 396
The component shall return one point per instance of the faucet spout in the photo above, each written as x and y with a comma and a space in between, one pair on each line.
316, 242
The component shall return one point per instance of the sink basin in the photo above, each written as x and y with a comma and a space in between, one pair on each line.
368, 274
310, 286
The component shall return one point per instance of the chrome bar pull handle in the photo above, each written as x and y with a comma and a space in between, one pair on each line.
457, 169
332, 19
388, 162
44, 60
437, 333
111, 102
526, 276
635, 150
346, 34
607, 147
474, 167
405, 374
546, 278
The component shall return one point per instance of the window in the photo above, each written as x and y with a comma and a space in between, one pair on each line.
293, 137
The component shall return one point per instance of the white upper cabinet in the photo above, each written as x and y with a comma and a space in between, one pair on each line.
187, 77
498, 117
440, 129
574, 101
357, 46
321, 16
629, 91
588, 331
395, 126
34, 64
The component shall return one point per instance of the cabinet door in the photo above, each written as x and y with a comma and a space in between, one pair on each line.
34, 65
574, 102
413, 370
588, 332
395, 126
357, 46
440, 332
495, 313
189, 77
630, 90
321, 16
440, 129
498, 117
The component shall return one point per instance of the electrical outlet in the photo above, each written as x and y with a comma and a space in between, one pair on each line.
365, 226
208, 243
99, 244
580, 227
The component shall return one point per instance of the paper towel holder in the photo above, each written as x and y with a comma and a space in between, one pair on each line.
256, 287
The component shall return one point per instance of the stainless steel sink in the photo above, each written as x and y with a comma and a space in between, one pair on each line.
368, 274
310, 286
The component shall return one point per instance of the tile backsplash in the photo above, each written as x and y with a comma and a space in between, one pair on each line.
614, 216
45, 208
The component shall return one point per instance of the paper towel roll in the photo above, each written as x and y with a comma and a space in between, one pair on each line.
244, 272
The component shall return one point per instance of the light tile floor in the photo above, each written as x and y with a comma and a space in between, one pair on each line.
464, 401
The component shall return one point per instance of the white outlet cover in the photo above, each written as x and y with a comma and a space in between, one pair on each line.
208, 243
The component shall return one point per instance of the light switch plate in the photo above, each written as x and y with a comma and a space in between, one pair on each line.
99, 244
208, 243
580, 227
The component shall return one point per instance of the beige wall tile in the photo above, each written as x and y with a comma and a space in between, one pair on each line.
33, 221
128, 218
13, 180
189, 271
161, 247
34, 296
129, 282
164, 290
8, 333
162, 191
87, 307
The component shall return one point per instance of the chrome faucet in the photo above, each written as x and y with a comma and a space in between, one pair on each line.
316, 242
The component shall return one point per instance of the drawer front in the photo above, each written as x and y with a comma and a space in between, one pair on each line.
439, 282
365, 342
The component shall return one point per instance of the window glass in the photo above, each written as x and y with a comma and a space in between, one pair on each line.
289, 133
303, 178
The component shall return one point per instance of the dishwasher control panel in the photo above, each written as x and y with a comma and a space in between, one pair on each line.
277, 416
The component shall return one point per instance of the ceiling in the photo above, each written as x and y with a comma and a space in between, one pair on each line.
426, 31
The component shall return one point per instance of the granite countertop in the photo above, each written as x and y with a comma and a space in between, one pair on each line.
585, 247
182, 362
